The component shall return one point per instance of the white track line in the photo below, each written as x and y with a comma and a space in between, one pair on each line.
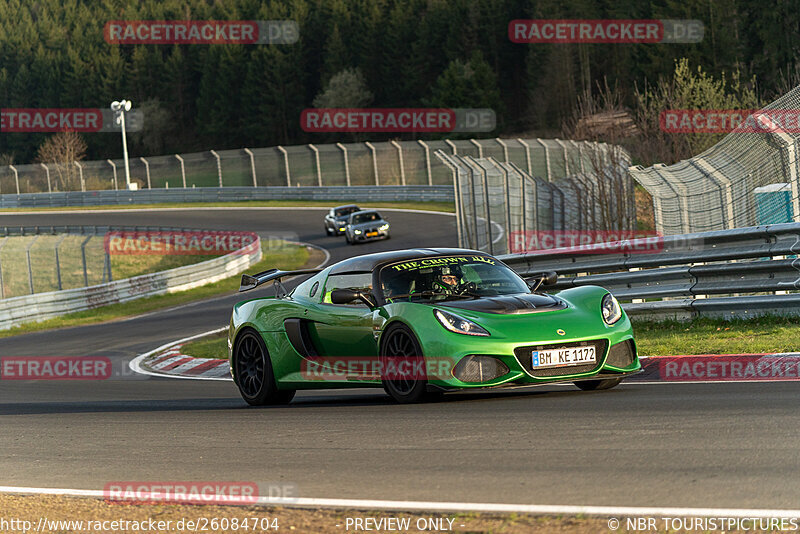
432, 506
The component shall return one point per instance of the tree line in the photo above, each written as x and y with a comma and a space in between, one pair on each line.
385, 53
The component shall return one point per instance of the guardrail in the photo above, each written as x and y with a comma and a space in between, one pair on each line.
728, 273
384, 193
38, 307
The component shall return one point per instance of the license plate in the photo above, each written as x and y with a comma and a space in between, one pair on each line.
563, 357
372, 234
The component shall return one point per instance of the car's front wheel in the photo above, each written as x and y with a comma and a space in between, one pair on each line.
594, 385
253, 372
403, 366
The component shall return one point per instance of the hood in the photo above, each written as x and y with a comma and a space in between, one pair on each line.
509, 304
370, 224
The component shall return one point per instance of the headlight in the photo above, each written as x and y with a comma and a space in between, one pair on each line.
357, 232
612, 312
459, 325
383, 227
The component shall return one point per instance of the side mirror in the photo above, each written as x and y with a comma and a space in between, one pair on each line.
547, 278
346, 296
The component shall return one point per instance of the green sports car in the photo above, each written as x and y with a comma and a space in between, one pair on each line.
421, 322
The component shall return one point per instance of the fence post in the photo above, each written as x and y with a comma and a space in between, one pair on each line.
474, 202
346, 163
457, 195
2, 286
480, 147
374, 162
546, 160
147, 171
507, 191
47, 172
402, 166
505, 148
485, 178
427, 159
83, 260
183, 170
113, 166
16, 176
30, 269
286, 163
108, 267
527, 154
252, 165
319, 168
80, 171
580, 153
219, 166
723, 183
566, 159
58, 261
683, 197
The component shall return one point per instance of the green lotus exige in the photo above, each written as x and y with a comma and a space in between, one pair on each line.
421, 322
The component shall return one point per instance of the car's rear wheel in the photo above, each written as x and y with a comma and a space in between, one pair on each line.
402, 362
595, 385
253, 372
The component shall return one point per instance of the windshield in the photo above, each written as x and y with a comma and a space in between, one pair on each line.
448, 277
366, 217
341, 212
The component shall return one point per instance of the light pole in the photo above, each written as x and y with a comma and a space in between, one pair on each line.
119, 108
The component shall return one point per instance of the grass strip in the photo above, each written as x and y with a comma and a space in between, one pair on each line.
279, 255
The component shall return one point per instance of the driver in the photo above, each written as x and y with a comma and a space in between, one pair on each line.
448, 281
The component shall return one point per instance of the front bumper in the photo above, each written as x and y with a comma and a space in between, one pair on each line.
367, 236
611, 363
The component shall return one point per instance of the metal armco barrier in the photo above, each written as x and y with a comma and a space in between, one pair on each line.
384, 193
729, 273
38, 307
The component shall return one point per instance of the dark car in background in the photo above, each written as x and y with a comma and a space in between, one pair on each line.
336, 219
367, 225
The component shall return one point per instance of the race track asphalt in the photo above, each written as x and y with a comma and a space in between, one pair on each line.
693, 445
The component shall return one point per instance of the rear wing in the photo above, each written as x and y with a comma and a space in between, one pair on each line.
252, 281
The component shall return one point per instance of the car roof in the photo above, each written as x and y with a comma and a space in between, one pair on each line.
345, 206
368, 262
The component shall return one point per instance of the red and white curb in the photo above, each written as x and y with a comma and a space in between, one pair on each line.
168, 361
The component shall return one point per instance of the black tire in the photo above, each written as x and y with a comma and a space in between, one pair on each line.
349, 241
597, 385
253, 372
328, 231
400, 344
